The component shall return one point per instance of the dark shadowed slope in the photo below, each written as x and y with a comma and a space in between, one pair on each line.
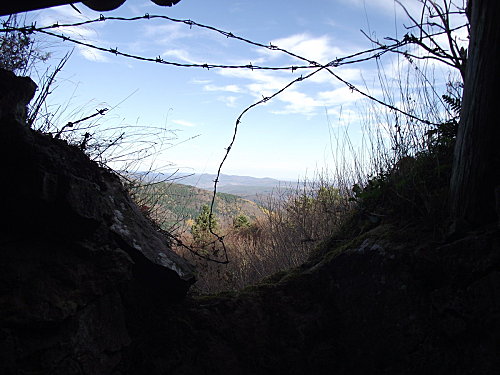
89, 287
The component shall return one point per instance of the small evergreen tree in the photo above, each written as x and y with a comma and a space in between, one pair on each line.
241, 222
200, 230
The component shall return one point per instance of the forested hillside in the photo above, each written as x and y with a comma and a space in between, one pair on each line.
177, 205
251, 188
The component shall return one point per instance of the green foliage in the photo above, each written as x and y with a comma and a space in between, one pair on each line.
18, 50
241, 222
454, 102
182, 203
373, 189
203, 225
415, 189
322, 198
443, 135
328, 194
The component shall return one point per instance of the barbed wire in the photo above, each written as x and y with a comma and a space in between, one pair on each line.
345, 60
373, 53
70, 124
33, 28
358, 57
233, 140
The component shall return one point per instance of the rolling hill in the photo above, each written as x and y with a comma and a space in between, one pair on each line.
250, 188
175, 204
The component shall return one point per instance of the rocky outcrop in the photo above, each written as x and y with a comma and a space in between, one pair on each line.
390, 302
74, 250
89, 287
16, 93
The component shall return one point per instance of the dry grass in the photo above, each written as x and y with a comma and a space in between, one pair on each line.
298, 220
295, 221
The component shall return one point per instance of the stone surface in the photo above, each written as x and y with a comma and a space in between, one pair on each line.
73, 248
87, 286
381, 306
16, 93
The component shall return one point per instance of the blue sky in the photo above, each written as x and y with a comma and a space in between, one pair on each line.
285, 138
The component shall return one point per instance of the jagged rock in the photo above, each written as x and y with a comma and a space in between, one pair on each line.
16, 93
74, 251
380, 306
88, 287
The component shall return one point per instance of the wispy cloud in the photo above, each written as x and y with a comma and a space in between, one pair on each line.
229, 101
261, 83
93, 54
197, 81
184, 123
307, 98
340, 96
321, 49
228, 88
385, 6
181, 54
297, 103
165, 33
88, 34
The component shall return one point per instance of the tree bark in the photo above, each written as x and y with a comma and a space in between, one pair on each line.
475, 180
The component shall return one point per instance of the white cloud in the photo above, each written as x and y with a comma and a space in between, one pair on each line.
309, 97
262, 83
349, 74
384, 6
197, 81
180, 54
300, 99
339, 96
184, 123
68, 15
88, 34
93, 54
296, 99
229, 101
316, 48
297, 102
61, 14
319, 49
229, 88
266, 88
166, 33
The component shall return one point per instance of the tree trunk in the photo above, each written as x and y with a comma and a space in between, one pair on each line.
475, 180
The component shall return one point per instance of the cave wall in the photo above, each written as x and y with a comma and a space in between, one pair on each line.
88, 286
74, 251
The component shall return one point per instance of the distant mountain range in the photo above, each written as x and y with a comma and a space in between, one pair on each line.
251, 188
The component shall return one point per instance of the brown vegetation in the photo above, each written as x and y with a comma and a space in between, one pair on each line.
293, 224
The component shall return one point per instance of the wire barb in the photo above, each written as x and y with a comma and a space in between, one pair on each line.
358, 57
